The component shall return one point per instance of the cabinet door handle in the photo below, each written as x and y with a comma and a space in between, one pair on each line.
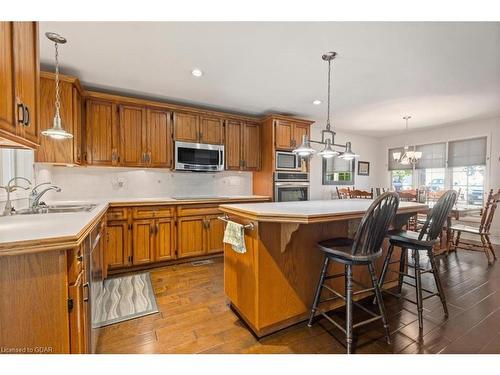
21, 120
27, 122
86, 286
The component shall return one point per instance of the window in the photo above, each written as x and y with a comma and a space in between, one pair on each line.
337, 171
432, 178
15, 163
402, 179
469, 181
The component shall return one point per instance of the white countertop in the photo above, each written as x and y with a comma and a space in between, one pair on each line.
42, 227
306, 210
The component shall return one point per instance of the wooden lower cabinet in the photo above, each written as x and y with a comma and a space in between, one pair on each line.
191, 236
215, 234
77, 317
117, 254
165, 240
143, 241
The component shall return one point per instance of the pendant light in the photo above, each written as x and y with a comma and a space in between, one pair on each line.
57, 131
408, 156
327, 135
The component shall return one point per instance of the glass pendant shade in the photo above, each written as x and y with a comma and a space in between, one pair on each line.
305, 148
348, 154
328, 152
396, 155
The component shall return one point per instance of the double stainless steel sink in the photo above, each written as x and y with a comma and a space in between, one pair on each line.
56, 208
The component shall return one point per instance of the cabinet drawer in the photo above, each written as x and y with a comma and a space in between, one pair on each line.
75, 263
118, 213
198, 210
152, 212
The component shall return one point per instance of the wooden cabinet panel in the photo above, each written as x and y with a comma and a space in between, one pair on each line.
298, 131
6, 79
159, 138
55, 150
117, 213
102, 133
233, 145
215, 234
132, 136
186, 127
148, 212
26, 75
191, 236
283, 135
165, 240
77, 319
117, 245
142, 233
77, 126
251, 147
211, 130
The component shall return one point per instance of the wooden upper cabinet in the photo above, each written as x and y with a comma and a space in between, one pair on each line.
283, 135
26, 68
77, 126
288, 134
251, 149
6, 78
19, 83
186, 127
159, 138
132, 136
211, 130
101, 133
233, 145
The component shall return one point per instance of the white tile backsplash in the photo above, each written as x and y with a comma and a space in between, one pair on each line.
100, 182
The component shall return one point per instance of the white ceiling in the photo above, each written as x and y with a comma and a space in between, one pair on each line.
436, 72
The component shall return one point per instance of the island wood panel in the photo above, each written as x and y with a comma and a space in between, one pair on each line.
233, 145
251, 147
6, 79
55, 150
284, 274
159, 138
27, 75
132, 135
102, 133
186, 127
33, 303
211, 130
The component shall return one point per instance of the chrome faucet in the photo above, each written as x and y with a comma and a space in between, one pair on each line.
34, 192
9, 188
36, 200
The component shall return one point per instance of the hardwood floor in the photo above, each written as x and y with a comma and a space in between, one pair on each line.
195, 318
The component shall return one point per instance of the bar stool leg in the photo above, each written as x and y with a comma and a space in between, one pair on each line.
348, 292
402, 263
380, 302
418, 287
384, 269
318, 291
437, 280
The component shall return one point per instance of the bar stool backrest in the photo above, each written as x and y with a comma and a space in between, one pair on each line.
375, 224
489, 211
436, 218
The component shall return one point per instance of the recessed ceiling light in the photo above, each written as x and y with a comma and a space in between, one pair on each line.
317, 102
196, 72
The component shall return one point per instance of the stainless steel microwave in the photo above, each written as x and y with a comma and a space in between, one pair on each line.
287, 161
199, 157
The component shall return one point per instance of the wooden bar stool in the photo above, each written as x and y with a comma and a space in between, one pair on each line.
362, 250
420, 241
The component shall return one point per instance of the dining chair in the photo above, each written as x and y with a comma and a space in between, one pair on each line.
362, 194
343, 193
483, 231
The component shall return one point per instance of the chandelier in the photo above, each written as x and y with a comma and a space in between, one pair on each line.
327, 135
408, 156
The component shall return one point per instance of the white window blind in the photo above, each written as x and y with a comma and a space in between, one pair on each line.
433, 156
467, 152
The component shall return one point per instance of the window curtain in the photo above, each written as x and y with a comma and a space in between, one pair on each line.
467, 152
433, 156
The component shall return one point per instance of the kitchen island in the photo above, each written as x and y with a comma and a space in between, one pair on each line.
271, 286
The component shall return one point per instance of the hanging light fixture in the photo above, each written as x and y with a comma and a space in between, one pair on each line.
327, 135
57, 131
408, 156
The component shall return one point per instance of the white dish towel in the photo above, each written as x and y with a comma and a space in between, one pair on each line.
234, 235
